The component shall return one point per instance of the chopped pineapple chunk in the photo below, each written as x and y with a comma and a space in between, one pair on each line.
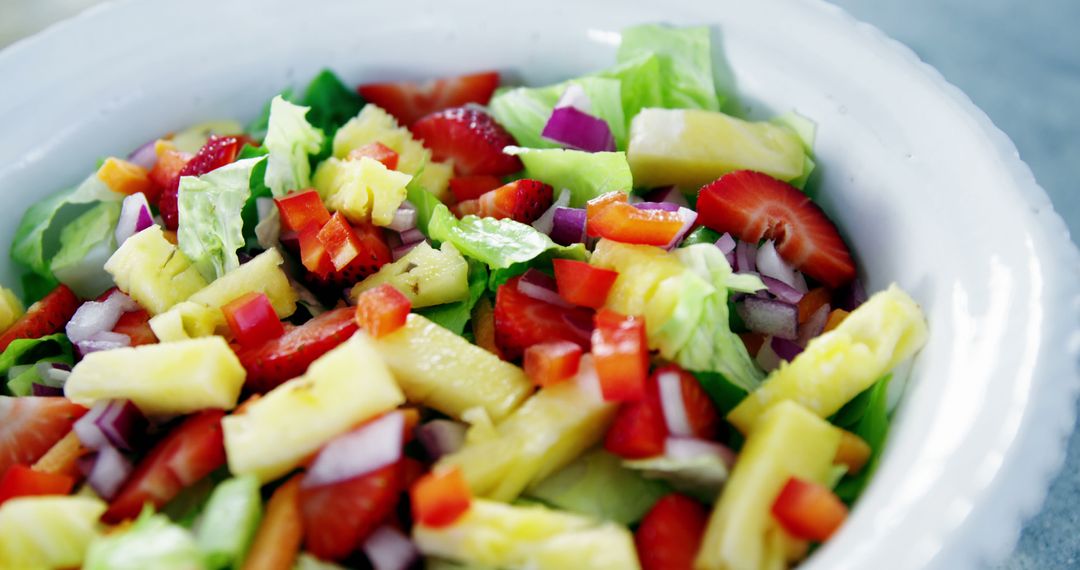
161, 379
425, 275
362, 190
545, 434
263, 274
441, 370
342, 388
529, 537
153, 271
10, 308
48, 531
885, 330
641, 268
787, 441
185, 321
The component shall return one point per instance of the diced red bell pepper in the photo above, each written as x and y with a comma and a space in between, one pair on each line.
548, 363
638, 430
378, 151
621, 356
342, 245
301, 209
22, 481
808, 510
472, 187
252, 319
440, 497
313, 252
382, 310
619, 221
582, 284
136, 325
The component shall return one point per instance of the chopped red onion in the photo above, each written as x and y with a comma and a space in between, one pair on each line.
672, 405
785, 349
726, 243
95, 317
667, 194
575, 97
730, 257
389, 549
404, 218
800, 283
105, 340
769, 316
542, 287
688, 217
441, 437
144, 156
134, 217
783, 291
568, 226
576, 129
766, 357
850, 296
264, 206
45, 390
813, 325
363, 450
402, 250
116, 423
106, 471
412, 236
546, 221
689, 447
86, 427
770, 263
665, 206
745, 257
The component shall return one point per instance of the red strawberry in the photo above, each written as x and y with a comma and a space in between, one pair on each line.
521, 321
217, 152
408, 100
521, 200
701, 413
136, 325
166, 173
289, 355
638, 430
670, 535
29, 426
472, 187
751, 206
48, 316
469, 137
339, 516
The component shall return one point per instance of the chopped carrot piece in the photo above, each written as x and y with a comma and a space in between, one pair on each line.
62, 458
835, 318
277, 542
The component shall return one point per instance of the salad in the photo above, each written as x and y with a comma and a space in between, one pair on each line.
450, 324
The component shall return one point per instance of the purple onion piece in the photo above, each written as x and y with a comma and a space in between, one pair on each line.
745, 257
849, 297
783, 291
665, 206
568, 226
688, 217
690, 447
575, 129
787, 350
670, 194
122, 424
769, 316
43, 390
144, 156
441, 437
770, 263
389, 549
546, 221
404, 219
766, 357
371, 446
412, 236
730, 256
134, 217
108, 473
402, 250
540, 286
581, 323
726, 243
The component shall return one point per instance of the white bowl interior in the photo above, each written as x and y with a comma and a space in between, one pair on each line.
919, 181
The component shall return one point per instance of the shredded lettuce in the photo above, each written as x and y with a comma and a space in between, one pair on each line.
290, 138
497, 243
455, 316
85, 245
586, 174
152, 542
211, 225
685, 63
524, 111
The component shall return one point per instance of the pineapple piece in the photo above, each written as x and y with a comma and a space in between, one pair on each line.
492, 534
185, 321
435, 178
838, 365
787, 441
545, 434
647, 277
263, 274
692, 147
342, 388
425, 275
48, 531
10, 308
441, 370
161, 379
153, 271
362, 190
191, 139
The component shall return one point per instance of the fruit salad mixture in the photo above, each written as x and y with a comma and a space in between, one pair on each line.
450, 324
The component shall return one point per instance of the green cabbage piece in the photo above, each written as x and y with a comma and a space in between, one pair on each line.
152, 542
290, 138
496, 243
685, 63
228, 523
585, 174
211, 225
85, 245
524, 111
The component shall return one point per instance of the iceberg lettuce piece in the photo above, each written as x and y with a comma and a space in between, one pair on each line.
85, 245
290, 138
806, 131
701, 476
586, 174
152, 542
685, 63
524, 111
497, 243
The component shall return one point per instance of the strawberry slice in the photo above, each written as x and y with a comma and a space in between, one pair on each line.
751, 206
469, 137
289, 355
521, 321
339, 516
521, 200
31, 425
701, 413
407, 101
166, 173
217, 152
670, 534
45, 317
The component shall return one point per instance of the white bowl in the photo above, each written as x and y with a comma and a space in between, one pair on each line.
928, 191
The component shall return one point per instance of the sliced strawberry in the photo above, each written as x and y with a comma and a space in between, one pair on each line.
472, 187
469, 137
45, 317
31, 425
701, 414
166, 173
638, 430
339, 516
521, 200
289, 355
217, 152
409, 100
521, 321
751, 206
670, 534
136, 325
189, 452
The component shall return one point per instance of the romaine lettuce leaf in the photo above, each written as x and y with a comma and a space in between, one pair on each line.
211, 225
524, 111
685, 60
586, 174
152, 542
290, 138
85, 245
331, 102
257, 183
497, 243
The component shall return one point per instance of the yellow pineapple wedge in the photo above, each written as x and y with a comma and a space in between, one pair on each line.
161, 379
427, 276
441, 370
644, 271
692, 147
885, 330
10, 308
185, 321
545, 434
48, 531
787, 441
153, 271
362, 190
341, 389
493, 534
263, 274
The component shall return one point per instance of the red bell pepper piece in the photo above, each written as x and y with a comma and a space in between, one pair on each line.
621, 355
582, 284
808, 510
252, 319
382, 310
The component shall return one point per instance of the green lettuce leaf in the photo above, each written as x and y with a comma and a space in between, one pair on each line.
685, 63
211, 225
425, 203
332, 104
701, 476
228, 523
806, 130
524, 111
455, 316
639, 83
257, 128
700, 235
496, 243
85, 245
290, 138
872, 425
586, 174
28, 351
259, 189
152, 542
